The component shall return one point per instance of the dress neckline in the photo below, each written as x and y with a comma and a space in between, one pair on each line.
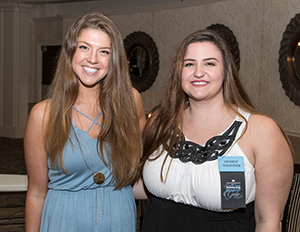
94, 121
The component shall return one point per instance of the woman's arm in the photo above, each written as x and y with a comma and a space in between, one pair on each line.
139, 190
273, 162
36, 165
140, 108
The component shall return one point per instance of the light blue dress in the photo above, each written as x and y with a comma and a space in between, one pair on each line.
74, 203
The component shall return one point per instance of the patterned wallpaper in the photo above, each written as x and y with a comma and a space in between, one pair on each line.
258, 26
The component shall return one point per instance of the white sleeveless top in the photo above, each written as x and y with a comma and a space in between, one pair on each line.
197, 182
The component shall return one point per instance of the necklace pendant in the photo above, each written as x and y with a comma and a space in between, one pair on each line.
99, 177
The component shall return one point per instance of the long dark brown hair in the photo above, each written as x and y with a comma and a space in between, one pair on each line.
120, 127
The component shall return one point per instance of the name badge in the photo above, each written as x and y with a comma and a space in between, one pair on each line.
231, 164
232, 170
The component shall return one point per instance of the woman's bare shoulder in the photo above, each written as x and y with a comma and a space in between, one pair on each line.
263, 123
266, 136
39, 110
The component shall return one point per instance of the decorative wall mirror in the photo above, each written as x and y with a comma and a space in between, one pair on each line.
289, 60
230, 38
143, 60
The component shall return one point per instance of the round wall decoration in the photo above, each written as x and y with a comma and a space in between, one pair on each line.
143, 60
289, 60
230, 38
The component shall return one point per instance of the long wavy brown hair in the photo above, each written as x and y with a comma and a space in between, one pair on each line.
120, 128
163, 126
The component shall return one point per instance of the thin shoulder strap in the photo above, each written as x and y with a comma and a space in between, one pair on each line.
246, 115
93, 120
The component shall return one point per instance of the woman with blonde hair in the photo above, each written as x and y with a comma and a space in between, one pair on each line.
83, 143
212, 162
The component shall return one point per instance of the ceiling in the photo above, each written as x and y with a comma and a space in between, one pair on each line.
75, 7
40, 1
122, 3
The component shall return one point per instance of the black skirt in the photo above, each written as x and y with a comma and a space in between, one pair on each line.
163, 215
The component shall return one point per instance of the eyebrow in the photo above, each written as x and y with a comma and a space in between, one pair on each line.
90, 45
206, 59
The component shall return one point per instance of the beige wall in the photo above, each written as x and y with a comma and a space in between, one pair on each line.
258, 26
296, 145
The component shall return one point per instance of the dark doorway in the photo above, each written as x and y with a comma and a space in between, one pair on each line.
49, 61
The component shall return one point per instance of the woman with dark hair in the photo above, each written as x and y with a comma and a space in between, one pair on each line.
208, 153
83, 143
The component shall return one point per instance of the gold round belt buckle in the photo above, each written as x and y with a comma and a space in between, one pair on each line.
99, 178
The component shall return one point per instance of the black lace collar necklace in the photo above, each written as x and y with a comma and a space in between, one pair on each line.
188, 151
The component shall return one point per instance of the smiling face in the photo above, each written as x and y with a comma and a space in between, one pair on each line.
91, 59
203, 72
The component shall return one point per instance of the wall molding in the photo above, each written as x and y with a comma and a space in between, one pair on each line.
16, 71
293, 133
1, 66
